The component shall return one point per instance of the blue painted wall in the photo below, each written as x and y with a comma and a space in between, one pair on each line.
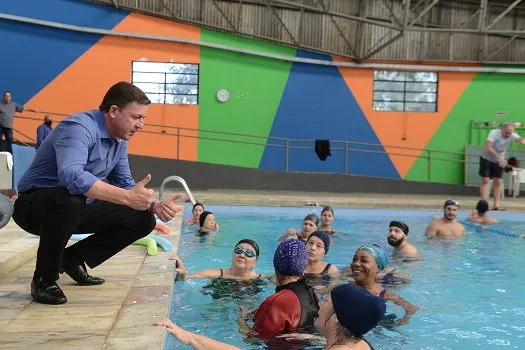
34, 55
317, 104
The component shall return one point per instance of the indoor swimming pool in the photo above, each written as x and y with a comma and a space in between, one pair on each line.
469, 292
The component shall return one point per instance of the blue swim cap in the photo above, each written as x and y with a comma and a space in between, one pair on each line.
379, 252
357, 309
291, 257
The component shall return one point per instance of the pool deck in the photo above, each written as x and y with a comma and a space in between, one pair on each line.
138, 289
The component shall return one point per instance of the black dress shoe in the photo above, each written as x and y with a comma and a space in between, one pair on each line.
77, 271
47, 292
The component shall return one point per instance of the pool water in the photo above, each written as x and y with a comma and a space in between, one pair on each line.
470, 292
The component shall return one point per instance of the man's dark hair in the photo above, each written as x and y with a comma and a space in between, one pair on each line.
121, 94
7, 91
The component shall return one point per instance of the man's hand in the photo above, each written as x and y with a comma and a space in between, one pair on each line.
168, 208
139, 196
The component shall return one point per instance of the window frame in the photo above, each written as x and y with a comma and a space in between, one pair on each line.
165, 84
404, 102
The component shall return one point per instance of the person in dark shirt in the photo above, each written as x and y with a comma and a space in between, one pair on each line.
294, 306
43, 130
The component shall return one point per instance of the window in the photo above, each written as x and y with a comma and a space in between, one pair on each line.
170, 83
405, 91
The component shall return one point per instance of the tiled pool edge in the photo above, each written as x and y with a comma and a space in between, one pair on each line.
148, 299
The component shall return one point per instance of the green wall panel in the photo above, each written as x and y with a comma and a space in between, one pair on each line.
255, 85
487, 94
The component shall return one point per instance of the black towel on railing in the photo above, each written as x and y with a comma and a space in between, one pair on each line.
322, 148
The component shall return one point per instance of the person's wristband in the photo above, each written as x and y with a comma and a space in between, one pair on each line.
152, 206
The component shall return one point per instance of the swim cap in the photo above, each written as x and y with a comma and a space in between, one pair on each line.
356, 308
399, 224
327, 208
379, 253
203, 216
482, 206
451, 202
250, 242
290, 258
312, 217
196, 205
323, 236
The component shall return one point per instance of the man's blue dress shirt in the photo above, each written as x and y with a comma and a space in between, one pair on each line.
77, 153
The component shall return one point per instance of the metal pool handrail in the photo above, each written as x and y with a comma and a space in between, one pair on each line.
179, 180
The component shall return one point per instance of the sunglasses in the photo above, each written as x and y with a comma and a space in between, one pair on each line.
247, 252
452, 202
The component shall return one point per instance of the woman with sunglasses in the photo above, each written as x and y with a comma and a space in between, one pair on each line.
244, 259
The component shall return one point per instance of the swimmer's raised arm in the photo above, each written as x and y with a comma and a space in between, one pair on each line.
290, 233
197, 341
473, 214
409, 308
332, 270
431, 230
183, 275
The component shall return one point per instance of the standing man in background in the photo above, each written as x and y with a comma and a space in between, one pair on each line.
43, 130
492, 161
7, 112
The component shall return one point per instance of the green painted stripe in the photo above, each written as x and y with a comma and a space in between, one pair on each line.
255, 85
487, 94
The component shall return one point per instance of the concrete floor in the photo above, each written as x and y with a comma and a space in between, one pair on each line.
119, 314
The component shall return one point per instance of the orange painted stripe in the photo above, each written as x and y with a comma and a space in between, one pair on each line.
405, 129
83, 84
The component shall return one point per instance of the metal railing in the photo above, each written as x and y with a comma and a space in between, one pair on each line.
289, 145
179, 180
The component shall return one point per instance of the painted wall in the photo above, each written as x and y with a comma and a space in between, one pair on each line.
66, 72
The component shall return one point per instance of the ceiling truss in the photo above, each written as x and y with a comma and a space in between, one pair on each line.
427, 30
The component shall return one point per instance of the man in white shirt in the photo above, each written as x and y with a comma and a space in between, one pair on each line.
492, 161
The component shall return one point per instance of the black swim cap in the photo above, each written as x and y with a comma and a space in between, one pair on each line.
312, 217
399, 224
196, 205
203, 216
482, 206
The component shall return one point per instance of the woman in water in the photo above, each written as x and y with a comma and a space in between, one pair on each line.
207, 223
310, 223
318, 244
368, 261
196, 211
343, 320
244, 259
327, 220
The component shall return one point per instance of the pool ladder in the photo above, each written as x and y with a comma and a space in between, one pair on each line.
179, 180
